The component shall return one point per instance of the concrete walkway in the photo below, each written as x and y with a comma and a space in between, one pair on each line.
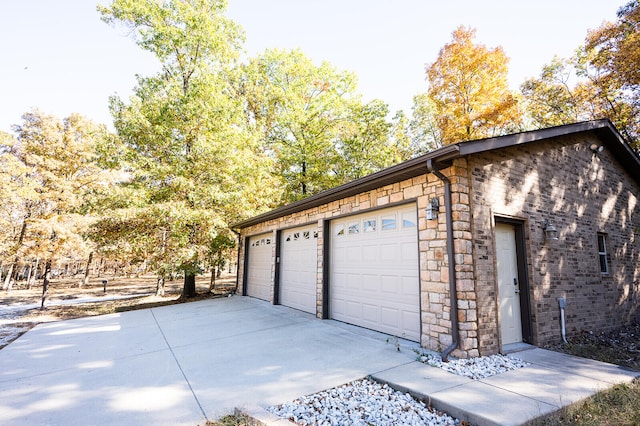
184, 364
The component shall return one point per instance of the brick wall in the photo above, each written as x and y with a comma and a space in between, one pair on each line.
582, 194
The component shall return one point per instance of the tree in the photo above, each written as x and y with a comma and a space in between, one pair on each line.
599, 80
189, 161
297, 108
610, 63
552, 99
220, 248
365, 145
617, 46
53, 167
424, 129
469, 90
310, 119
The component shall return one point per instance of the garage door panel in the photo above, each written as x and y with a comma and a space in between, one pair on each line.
374, 271
354, 255
389, 252
409, 252
390, 317
407, 286
260, 265
371, 313
371, 283
298, 268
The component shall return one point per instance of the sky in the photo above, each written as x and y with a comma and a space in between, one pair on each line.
59, 57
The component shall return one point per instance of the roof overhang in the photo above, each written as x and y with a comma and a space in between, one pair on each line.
443, 157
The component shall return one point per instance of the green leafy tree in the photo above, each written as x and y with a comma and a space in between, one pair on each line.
186, 150
220, 250
365, 145
424, 129
552, 99
297, 109
311, 121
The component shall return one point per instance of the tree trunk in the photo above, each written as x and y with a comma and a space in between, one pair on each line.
9, 277
212, 283
85, 280
32, 278
28, 276
8, 282
45, 282
304, 178
189, 289
160, 287
13, 277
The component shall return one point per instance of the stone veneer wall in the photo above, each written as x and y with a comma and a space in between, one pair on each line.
582, 194
434, 274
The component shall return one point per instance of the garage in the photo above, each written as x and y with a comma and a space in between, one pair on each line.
374, 279
299, 268
260, 261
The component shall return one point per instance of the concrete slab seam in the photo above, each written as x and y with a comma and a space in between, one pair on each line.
374, 375
516, 393
179, 367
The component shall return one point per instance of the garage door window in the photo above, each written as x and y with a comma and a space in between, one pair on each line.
339, 230
408, 221
261, 242
388, 223
354, 228
369, 225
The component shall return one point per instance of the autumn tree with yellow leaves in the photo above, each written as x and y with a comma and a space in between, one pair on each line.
50, 170
600, 80
468, 92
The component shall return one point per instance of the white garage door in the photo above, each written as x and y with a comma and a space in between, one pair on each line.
299, 268
259, 276
374, 271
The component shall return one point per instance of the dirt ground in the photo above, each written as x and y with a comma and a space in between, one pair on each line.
20, 308
620, 346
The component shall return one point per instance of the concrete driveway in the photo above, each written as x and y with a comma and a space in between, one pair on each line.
182, 364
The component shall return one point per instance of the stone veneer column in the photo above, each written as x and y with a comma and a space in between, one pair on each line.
434, 269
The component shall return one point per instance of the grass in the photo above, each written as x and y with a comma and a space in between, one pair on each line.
236, 419
617, 406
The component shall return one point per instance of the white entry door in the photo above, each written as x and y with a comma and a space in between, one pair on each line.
508, 286
299, 268
374, 271
260, 266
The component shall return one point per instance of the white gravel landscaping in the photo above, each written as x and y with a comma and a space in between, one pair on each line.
474, 368
363, 402
366, 402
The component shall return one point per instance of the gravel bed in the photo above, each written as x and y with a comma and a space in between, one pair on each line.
366, 402
475, 368
363, 402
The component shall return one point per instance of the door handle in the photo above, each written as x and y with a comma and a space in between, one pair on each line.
515, 283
